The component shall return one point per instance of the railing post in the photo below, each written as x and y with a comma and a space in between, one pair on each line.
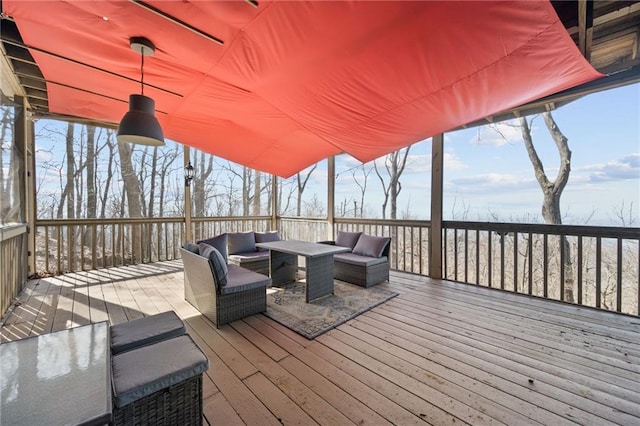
331, 196
435, 242
274, 202
187, 198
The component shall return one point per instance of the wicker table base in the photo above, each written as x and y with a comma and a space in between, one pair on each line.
318, 260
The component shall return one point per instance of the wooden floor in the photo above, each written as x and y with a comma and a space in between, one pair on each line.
440, 353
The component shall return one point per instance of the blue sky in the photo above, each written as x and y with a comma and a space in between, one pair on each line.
488, 174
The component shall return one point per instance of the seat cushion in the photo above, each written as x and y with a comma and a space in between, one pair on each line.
347, 239
371, 246
358, 260
241, 279
219, 242
241, 242
250, 257
146, 370
217, 263
266, 237
145, 331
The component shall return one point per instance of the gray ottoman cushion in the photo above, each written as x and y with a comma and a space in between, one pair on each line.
146, 370
145, 331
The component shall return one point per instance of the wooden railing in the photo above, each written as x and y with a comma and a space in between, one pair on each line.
81, 244
587, 265
303, 229
590, 266
13, 263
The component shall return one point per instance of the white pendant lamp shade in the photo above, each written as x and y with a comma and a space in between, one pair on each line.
139, 125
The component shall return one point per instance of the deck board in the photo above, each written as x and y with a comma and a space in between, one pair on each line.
439, 353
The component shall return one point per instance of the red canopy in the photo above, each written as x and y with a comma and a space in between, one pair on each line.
296, 82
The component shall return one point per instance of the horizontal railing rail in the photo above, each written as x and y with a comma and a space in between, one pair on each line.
587, 265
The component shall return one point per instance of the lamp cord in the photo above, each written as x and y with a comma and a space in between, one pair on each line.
142, 71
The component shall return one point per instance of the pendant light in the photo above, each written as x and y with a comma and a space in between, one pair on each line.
139, 125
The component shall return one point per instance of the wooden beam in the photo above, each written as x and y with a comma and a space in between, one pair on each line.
435, 238
187, 196
274, 202
585, 27
331, 196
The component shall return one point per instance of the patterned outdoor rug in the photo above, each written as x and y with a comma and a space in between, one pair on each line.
286, 305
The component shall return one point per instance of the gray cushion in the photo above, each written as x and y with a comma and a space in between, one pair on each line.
250, 257
266, 237
241, 242
369, 245
217, 263
145, 331
193, 248
358, 260
347, 239
241, 279
219, 242
146, 370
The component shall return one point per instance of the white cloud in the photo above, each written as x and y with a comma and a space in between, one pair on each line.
492, 182
625, 168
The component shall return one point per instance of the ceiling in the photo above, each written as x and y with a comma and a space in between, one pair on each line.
277, 86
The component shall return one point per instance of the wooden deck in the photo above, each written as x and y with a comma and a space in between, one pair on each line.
440, 353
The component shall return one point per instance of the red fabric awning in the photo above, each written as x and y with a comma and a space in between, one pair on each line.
296, 82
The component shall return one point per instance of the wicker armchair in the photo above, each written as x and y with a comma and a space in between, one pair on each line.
244, 294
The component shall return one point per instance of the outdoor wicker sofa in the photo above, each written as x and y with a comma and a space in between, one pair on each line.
368, 262
239, 248
221, 292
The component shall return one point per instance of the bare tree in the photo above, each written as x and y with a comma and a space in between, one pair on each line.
133, 193
552, 189
302, 184
394, 164
362, 185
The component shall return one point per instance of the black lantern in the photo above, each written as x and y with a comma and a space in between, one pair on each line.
188, 174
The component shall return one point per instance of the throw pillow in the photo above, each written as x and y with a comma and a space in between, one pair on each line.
219, 242
347, 239
189, 246
216, 262
371, 246
266, 237
241, 242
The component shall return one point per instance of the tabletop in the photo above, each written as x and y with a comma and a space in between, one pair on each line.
57, 378
303, 248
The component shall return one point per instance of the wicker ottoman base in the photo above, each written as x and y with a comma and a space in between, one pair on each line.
180, 404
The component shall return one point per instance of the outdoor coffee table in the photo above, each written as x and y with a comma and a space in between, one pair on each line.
283, 264
58, 378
